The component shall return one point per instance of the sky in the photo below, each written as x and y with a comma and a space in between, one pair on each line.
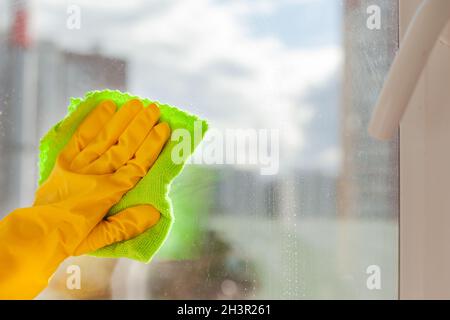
265, 64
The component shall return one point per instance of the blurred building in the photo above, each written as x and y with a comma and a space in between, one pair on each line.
36, 83
317, 194
64, 74
368, 183
245, 192
304, 193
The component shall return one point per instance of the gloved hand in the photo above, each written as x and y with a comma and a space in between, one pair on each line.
106, 157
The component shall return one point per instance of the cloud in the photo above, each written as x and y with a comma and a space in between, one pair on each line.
201, 55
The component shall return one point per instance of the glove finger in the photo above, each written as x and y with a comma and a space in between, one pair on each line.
89, 128
108, 136
145, 156
129, 142
125, 225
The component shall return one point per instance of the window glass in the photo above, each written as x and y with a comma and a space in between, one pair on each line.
287, 197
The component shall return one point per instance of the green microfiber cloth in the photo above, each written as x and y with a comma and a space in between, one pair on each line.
152, 189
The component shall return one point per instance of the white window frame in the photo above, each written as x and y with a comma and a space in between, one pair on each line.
424, 223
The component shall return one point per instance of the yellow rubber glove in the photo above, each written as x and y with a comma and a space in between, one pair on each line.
105, 158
